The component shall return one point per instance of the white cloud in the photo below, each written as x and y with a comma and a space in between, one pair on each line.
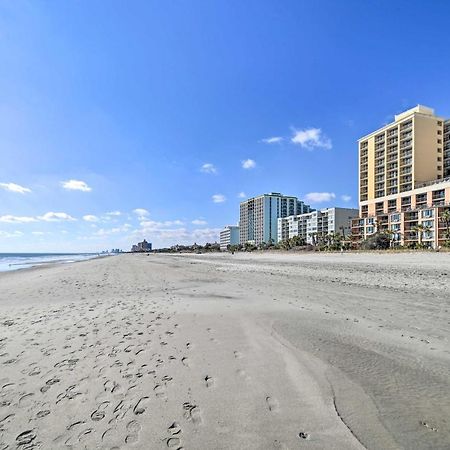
208, 168
248, 164
56, 217
12, 187
206, 235
37, 233
242, 195
17, 219
218, 198
311, 138
141, 213
346, 198
6, 234
199, 222
90, 218
273, 140
113, 213
155, 225
319, 197
109, 231
76, 185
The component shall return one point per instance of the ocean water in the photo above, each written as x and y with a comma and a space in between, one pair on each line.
15, 261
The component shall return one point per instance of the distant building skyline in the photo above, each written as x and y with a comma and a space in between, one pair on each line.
258, 216
143, 246
322, 222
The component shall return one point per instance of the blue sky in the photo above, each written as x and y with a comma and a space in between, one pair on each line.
123, 120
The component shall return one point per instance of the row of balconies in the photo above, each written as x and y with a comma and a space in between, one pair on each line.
406, 125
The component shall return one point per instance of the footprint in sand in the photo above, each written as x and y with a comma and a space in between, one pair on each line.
160, 391
174, 429
98, 415
209, 381
141, 405
237, 355
25, 400
26, 438
133, 429
185, 361
8, 387
84, 435
41, 414
174, 442
192, 413
272, 404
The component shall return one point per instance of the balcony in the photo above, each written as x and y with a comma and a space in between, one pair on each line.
411, 216
406, 125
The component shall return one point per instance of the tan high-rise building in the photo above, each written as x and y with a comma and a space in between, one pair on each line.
404, 180
400, 156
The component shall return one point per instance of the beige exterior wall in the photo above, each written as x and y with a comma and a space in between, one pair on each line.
426, 148
400, 155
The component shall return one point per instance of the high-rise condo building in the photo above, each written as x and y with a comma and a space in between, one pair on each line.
316, 223
404, 179
229, 236
447, 149
400, 156
258, 219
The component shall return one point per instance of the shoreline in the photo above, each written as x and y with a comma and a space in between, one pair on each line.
43, 264
310, 347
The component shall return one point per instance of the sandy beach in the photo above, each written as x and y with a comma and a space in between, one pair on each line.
251, 351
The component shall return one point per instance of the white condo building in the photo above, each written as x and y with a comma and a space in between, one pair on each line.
323, 222
258, 219
229, 236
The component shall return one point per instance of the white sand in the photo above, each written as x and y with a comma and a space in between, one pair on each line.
251, 351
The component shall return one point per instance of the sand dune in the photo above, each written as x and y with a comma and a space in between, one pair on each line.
227, 352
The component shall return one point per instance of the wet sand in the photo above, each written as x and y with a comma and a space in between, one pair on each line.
251, 351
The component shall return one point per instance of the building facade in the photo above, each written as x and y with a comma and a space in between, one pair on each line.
229, 236
415, 217
404, 180
401, 156
258, 218
316, 223
143, 246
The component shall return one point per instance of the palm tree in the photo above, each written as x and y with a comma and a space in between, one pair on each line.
313, 237
421, 230
445, 219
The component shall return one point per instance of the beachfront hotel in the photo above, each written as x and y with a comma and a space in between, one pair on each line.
404, 179
258, 218
229, 236
316, 223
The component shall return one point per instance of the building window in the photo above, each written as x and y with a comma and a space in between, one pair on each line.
427, 213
